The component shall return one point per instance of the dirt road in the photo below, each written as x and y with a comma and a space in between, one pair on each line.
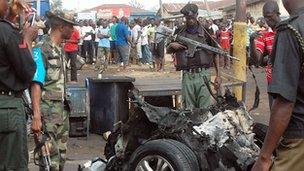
80, 149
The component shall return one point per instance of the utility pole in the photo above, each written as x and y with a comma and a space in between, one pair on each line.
38, 7
207, 7
161, 10
239, 48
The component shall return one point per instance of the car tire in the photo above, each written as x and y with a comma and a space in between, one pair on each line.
169, 152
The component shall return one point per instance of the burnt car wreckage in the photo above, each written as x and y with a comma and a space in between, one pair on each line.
159, 138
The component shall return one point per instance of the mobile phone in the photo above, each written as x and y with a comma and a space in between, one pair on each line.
32, 19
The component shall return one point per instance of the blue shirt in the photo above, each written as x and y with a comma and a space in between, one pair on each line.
122, 34
105, 42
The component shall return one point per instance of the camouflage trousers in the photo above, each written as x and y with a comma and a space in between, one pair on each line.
195, 93
57, 124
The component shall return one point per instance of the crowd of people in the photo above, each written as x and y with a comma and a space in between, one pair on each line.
117, 41
142, 41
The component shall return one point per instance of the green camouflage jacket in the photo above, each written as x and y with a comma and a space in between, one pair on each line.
54, 87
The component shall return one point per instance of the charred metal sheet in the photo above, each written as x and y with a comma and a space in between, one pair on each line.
221, 137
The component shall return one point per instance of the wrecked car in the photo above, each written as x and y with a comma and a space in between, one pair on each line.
159, 138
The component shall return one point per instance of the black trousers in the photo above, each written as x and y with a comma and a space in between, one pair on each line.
88, 50
96, 49
72, 57
13, 138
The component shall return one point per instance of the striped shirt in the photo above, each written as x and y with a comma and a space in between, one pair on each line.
265, 44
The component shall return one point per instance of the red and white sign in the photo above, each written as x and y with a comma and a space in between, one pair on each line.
109, 12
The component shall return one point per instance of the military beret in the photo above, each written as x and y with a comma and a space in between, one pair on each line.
189, 10
68, 18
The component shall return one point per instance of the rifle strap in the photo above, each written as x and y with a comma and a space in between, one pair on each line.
256, 102
207, 83
300, 41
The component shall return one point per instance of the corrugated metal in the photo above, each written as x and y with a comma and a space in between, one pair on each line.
213, 5
249, 2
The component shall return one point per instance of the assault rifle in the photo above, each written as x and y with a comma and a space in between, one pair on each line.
43, 151
42, 147
194, 46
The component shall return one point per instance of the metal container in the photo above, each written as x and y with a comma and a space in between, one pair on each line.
78, 100
79, 110
108, 102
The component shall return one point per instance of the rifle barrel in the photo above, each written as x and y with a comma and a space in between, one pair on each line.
185, 40
204, 46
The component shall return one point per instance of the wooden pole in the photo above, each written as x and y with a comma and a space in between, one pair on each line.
38, 7
239, 48
161, 8
207, 7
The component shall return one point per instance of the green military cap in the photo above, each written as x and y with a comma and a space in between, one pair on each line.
21, 4
189, 9
68, 18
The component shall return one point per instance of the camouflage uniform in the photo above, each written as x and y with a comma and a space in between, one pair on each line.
55, 115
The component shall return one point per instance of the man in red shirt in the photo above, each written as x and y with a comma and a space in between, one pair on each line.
224, 39
263, 41
71, 49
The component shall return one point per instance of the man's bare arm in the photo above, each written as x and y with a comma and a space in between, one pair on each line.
36, 99
281, 112
256, 54
217, 65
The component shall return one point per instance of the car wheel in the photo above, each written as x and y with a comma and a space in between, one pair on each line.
163, 155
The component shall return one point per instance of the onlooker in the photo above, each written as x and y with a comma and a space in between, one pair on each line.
151, 32
86, 34
123, 38
103, 33
286, 126
80, 43
213, 26
151, 37
71, 49
203, 21
136, 38
262, 24
225, 37
264, 40
40, 24
159, 46
95, 39
146, 52
113, 49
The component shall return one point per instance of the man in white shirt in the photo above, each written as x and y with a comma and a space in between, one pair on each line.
95, 39
146, 52
136, 38
86, 34
213, 26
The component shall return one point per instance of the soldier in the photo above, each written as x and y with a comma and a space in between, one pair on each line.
17, 69
286, 126
194, 90
52, 108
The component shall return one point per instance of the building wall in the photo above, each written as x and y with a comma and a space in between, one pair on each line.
256, 10
282, 8
166, 14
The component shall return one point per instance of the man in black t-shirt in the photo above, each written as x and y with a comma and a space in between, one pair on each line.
17, 69
287, 88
